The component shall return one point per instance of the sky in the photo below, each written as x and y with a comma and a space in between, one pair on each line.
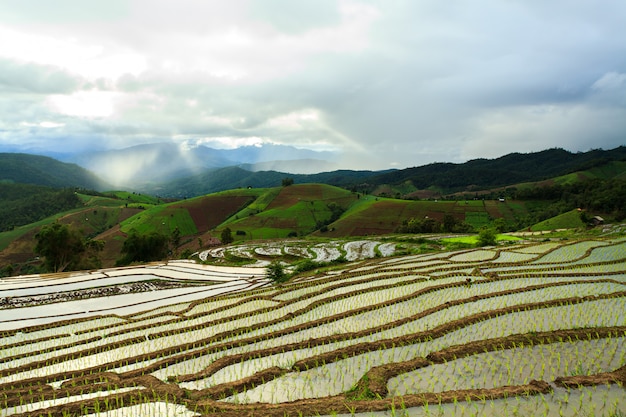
383, 83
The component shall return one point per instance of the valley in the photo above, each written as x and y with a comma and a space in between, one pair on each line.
312, 299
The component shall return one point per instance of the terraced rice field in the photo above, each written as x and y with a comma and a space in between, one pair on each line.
261, 253
526, 329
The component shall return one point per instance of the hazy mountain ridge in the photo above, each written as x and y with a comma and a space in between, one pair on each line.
191, 175
236, 177
296, 166
448, 178
162, 162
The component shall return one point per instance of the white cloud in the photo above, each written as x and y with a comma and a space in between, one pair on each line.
230, 142
86, 59
44, 124
398, 83
88, 104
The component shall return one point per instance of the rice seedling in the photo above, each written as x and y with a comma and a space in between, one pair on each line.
530, 312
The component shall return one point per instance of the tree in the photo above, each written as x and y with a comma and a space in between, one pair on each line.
144, 248
65, 249
227, 236
449, 223
175, 238
276, 272
500, 225
287, 182
487, 236
90, 259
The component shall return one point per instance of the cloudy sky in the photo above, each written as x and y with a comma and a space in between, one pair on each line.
385, 83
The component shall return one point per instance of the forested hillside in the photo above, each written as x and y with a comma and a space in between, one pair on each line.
233, 177
443, 178
507, 170
25, 203
42, 170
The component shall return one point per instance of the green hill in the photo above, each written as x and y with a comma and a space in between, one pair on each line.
504, 171
42, 170
233, 177
260, 209
569, 220
428, 181
296, 210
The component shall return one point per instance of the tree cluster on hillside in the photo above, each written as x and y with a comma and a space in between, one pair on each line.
65, 249
335, 213
226, 236
24, 204
147, 247
603, 196
428, 225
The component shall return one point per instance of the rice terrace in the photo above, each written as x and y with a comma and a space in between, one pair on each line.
305, 208
533, 327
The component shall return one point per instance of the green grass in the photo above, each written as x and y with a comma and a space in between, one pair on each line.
568, 179
614, 169
264, 196
283, 210
477, 219
134, 197
161, 219
473, 239
302, 217
569, 220
7, 237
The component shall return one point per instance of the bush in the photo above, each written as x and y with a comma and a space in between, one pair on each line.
306, 265
487, 236
144, 248
227, 236
276, 272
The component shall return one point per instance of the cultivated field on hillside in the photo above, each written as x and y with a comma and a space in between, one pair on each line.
525, 329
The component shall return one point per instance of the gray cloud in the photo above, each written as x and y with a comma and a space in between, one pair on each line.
398, 83
16, 77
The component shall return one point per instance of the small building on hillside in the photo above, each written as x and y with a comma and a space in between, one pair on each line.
596, 220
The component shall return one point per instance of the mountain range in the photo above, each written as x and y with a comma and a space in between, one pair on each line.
148, 164
513, 192
172, 171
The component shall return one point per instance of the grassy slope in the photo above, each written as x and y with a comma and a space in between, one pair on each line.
281, 211
193, 216
91, 202
569, 220
373, 215
264, 213
17, 246
613, 169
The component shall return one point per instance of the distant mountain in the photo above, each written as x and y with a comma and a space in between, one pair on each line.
296, 166
46, 171
446, 178
171, 170
149, 164
272, 153
507, 170
233, 177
